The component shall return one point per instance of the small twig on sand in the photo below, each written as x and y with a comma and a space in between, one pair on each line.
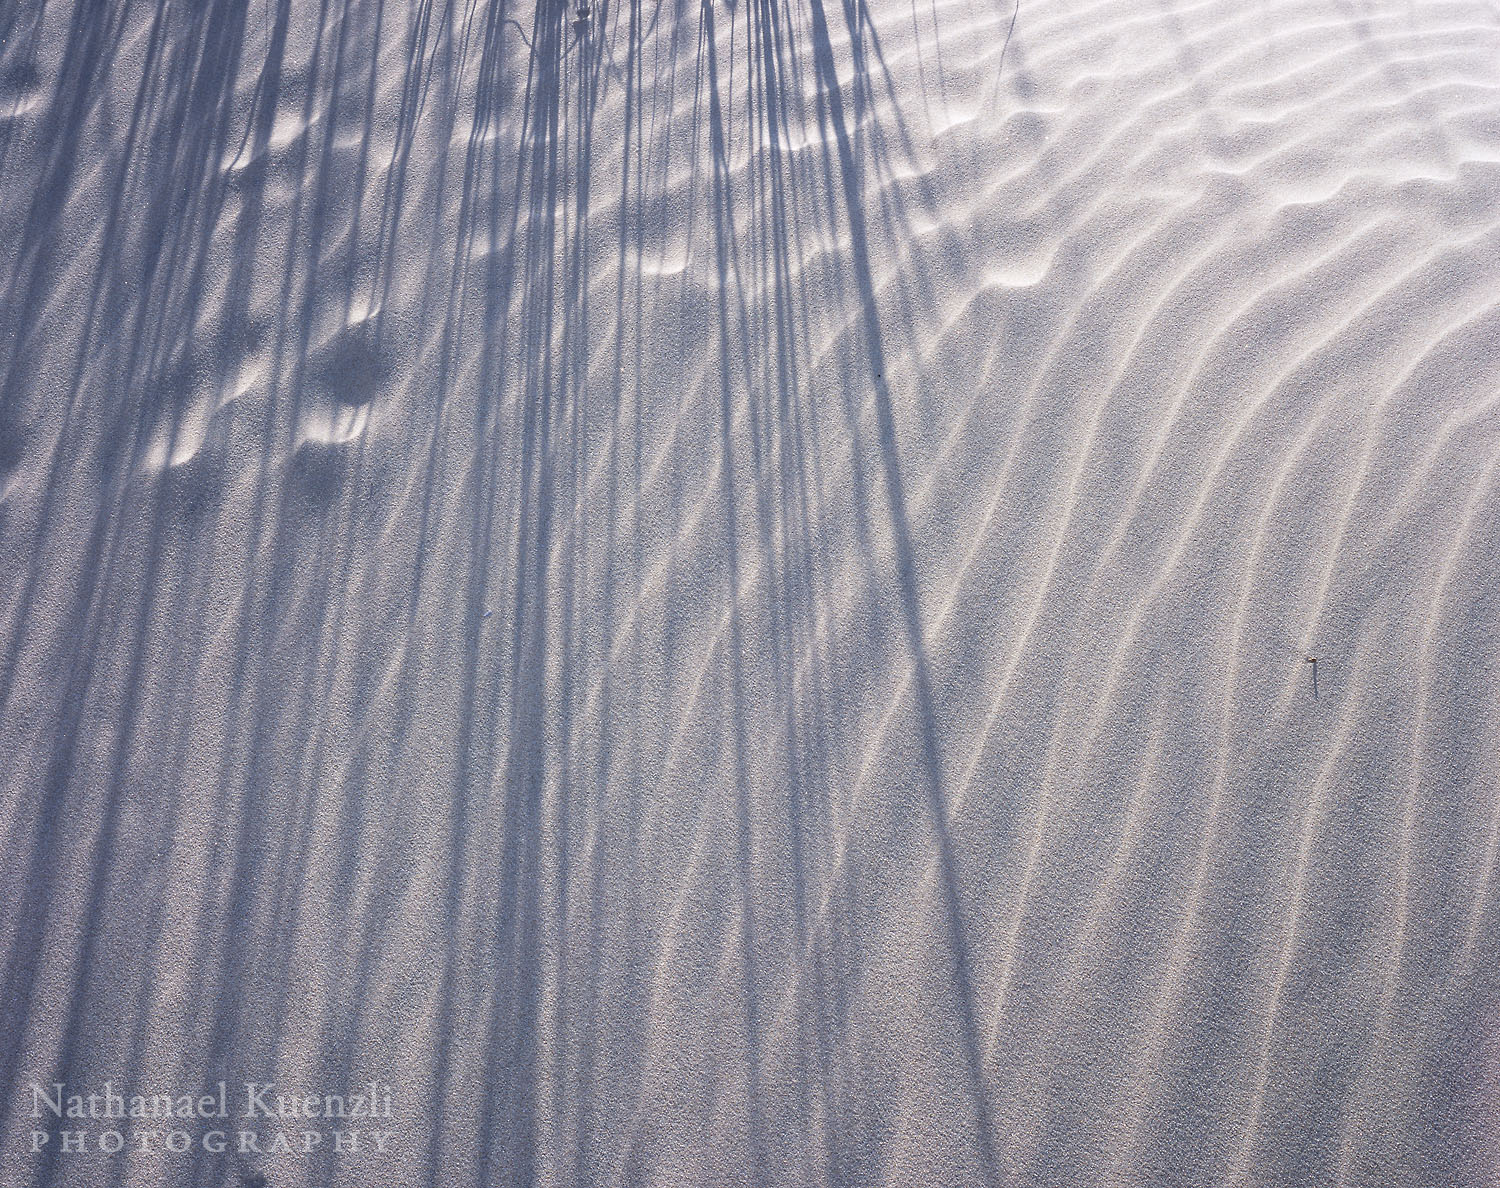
1313, 660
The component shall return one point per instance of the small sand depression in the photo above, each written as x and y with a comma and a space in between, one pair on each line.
725, 594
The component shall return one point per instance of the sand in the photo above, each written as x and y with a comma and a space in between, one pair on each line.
721, 594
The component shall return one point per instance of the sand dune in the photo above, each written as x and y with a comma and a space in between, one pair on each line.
721, 594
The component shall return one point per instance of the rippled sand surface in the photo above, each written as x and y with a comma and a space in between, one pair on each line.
721, 593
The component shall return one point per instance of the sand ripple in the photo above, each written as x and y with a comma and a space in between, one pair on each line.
724, 595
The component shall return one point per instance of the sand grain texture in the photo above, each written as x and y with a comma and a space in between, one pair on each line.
722, 598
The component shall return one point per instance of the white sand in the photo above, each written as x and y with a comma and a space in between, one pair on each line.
726, 600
